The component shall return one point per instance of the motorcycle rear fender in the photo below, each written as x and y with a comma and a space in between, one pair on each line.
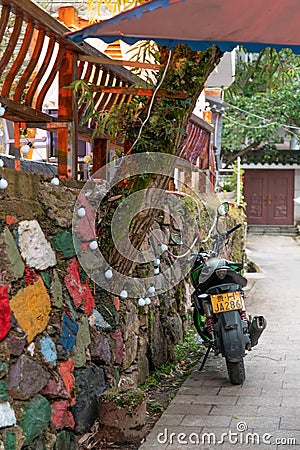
230, 337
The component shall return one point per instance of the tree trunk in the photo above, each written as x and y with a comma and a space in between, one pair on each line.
206, 61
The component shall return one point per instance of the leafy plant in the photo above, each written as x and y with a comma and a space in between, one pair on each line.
264, 98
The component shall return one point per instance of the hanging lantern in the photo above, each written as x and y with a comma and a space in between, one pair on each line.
147, 301
108, 274
123, 294
81, 211
141, 302
93, 245
3, 183
55, 181
151, 290
164, 247
26, 148
156, 271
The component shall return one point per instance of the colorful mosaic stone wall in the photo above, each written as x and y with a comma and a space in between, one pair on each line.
63, 341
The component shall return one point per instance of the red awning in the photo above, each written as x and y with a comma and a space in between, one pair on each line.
196, 146
201, 23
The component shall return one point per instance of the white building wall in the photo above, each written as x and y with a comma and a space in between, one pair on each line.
297, 195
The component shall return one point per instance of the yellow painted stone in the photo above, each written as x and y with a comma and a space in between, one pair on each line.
31, 307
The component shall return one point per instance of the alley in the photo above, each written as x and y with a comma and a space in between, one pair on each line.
265, 411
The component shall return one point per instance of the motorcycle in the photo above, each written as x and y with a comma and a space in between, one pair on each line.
219, 314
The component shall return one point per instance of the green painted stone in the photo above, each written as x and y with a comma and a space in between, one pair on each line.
3, 391
63, 441
36, 418
56, 290
3, 368
71, 308
10, 441
13, 254
46, 279
63, 241
83, 340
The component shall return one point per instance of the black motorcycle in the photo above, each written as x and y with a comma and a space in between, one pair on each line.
219, 308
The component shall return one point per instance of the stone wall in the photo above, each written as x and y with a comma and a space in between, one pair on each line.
63, 341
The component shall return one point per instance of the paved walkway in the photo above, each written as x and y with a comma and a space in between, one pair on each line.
268, 403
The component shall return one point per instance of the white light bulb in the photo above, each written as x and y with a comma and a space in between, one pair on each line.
2, 110
141, 302
151, 290
156, 270
55, 181
1, 163
3, 183
147, 301
156, 262
123, 294
81, 212
108, 274
164, 247
93, 245
25, 149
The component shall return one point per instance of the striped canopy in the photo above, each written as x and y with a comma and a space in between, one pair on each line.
255, 24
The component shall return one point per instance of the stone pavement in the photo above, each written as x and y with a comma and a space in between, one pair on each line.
268, 403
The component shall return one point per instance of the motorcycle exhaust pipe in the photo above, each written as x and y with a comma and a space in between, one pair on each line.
257, 326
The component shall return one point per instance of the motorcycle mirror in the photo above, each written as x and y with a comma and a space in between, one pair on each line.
176, 238
223, 209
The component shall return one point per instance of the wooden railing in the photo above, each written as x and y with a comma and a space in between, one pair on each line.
34, 54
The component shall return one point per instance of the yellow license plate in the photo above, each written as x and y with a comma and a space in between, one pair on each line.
226, 302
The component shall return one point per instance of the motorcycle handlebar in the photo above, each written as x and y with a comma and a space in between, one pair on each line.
236, 227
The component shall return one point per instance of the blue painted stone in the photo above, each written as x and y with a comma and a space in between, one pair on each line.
69, 332
48, 350
7, 415
100, 321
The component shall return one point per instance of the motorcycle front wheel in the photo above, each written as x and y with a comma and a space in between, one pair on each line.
236, 371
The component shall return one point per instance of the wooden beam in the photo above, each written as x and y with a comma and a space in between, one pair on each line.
22, 113
145, 92
99, 154
67, 142
119, 62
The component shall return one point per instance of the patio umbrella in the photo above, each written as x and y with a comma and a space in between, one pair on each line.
256, 24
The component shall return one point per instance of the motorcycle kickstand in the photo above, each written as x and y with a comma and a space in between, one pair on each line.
205, 357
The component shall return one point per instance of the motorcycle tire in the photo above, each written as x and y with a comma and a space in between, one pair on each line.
236, 371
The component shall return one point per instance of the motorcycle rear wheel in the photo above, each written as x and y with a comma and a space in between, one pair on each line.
236, 371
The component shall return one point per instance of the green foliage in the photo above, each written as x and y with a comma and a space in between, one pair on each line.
264, 97
188, 346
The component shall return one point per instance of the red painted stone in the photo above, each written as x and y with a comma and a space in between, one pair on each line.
117, 303
79, 291
61, 417
4, 312
66, 370
10, 220
30, 276
119, 354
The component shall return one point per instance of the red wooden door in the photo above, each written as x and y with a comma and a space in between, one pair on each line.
269, 196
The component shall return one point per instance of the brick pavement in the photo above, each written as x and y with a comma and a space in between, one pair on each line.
268, 403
